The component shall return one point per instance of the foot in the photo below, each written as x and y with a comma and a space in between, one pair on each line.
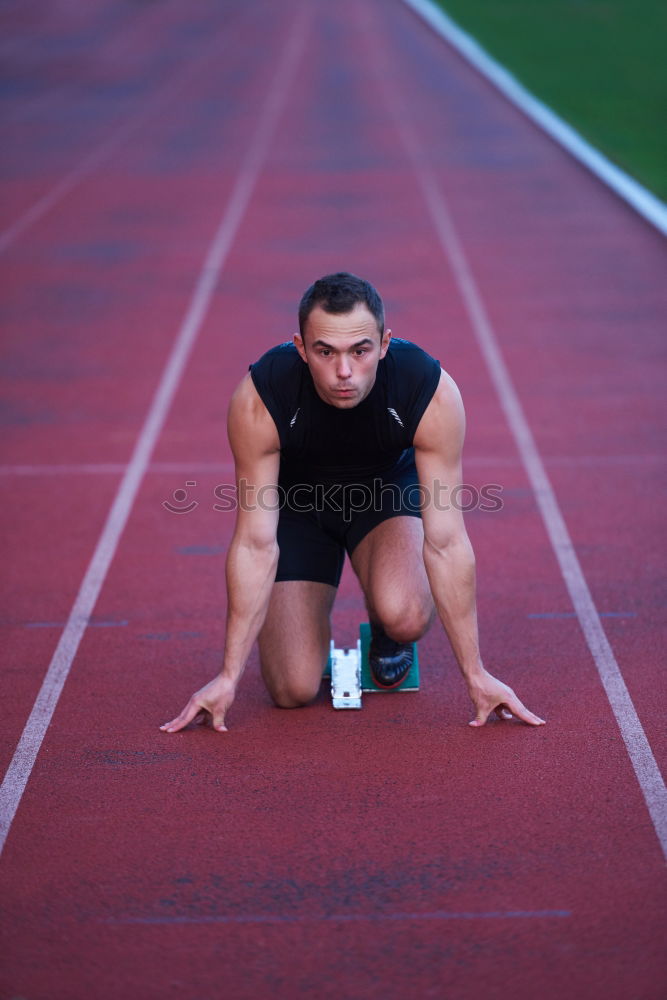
389, 661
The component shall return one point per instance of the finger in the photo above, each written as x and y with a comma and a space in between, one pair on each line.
521, 712
186, 716
481, 717
219, 721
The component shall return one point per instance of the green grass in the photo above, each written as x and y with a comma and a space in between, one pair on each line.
600, 64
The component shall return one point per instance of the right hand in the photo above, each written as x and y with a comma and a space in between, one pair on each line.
491, 695
213, 699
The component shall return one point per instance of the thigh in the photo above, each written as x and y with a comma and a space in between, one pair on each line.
294, 640
389, 563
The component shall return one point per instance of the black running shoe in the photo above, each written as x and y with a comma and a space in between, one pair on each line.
389, 661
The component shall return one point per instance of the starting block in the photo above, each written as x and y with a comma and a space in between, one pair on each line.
345, 677
350, 673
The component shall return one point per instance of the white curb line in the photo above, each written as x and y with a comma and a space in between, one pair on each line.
650, 207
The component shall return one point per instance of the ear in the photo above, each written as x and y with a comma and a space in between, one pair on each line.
300, 346
384, 345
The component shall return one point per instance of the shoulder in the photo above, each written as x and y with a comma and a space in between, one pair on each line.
444, 417
410, 369
448, 395
279, 378
276, 363
249, 424
405, 353
410, 377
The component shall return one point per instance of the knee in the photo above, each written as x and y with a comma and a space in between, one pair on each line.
408, 624
293, 693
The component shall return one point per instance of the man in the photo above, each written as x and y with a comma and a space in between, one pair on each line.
332, 437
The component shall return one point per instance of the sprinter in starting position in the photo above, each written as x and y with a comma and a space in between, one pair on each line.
342, 440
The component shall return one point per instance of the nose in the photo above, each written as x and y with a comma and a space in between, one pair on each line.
343, 369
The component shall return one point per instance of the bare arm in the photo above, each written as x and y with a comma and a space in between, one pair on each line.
448, 554
253, 553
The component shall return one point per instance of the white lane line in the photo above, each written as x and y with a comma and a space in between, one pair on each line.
186, 468
89, 624
112, 468
642, 200
75, 176
557, 615
22, 763
343, 918
104, 150
639, 750
71, 469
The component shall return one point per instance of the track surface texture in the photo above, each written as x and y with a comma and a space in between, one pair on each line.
387, 853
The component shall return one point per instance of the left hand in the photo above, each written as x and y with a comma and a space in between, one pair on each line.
489, 695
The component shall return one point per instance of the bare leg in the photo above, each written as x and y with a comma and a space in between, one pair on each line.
390, 566
294, 641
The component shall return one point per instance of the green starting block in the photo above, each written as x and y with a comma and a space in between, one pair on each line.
350, 672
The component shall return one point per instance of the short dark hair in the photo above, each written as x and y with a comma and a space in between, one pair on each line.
339, 293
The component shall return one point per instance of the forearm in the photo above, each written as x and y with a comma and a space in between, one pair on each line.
250, 576
451, 574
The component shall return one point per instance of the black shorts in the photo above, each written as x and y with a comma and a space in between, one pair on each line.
319, 524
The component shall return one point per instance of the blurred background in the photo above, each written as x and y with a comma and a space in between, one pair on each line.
600, 64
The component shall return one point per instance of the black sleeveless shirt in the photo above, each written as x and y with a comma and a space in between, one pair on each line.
320, 443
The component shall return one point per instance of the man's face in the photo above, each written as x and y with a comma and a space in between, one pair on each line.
342, 352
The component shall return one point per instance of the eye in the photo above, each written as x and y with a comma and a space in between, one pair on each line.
360, 351
325, 352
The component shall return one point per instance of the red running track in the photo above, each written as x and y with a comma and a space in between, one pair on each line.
393, 852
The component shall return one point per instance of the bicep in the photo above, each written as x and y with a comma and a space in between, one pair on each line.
442, 515
256, 448
438, 455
